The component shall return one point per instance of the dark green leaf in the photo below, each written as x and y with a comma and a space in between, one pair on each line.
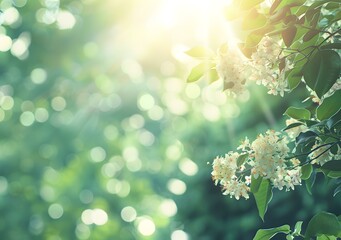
321, 72
337, 190
297, 113
334, 165
329, 106
263, 197
323, 223
306, 171
309, 35
288, 35
309, 183
266, 234
334, 120
331, 46
293, 125
305, 137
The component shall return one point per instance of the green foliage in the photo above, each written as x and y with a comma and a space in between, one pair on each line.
329, 106
297, 113
263, 196
266, 234
322, 71
323, 223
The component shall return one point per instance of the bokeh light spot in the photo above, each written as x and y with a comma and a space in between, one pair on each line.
128, 214
146, 226
55, 211
176, 186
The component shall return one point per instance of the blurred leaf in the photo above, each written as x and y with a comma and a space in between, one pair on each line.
297, 113
247, 4
321, 72
309, 183
323, 223
253, 20
263, 197
306, 171
212, 75
288, 35
294, 77
266, 234
241, 159
325, 237
337, 190
330, 106
305, 137
309, 35
334, 165
198, 71
331, 46
200, 52
293, 125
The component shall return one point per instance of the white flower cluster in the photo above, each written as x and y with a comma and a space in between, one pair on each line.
225, 172
230, 68
261, 68
266, 158
264, 63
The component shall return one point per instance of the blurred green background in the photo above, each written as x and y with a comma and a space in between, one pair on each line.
102, 138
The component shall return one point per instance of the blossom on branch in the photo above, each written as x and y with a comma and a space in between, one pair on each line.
265, 157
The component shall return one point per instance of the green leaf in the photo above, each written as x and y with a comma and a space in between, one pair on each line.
253, 20
252, 40
321, 72
298, 228
212, 75
309, 183
198, 71
309, 35
263, 197
331, 46
325, 237
294, 77
255, 183
200, 52
266, 234
293, 125
305, 137
334, 165
241, 159
286, 4
329, 106
297, 113
323, 223
334, 120
337, 190
288, 35
306, 171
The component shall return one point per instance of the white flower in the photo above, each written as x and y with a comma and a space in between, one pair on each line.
230, 68
264, 64
321, 155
